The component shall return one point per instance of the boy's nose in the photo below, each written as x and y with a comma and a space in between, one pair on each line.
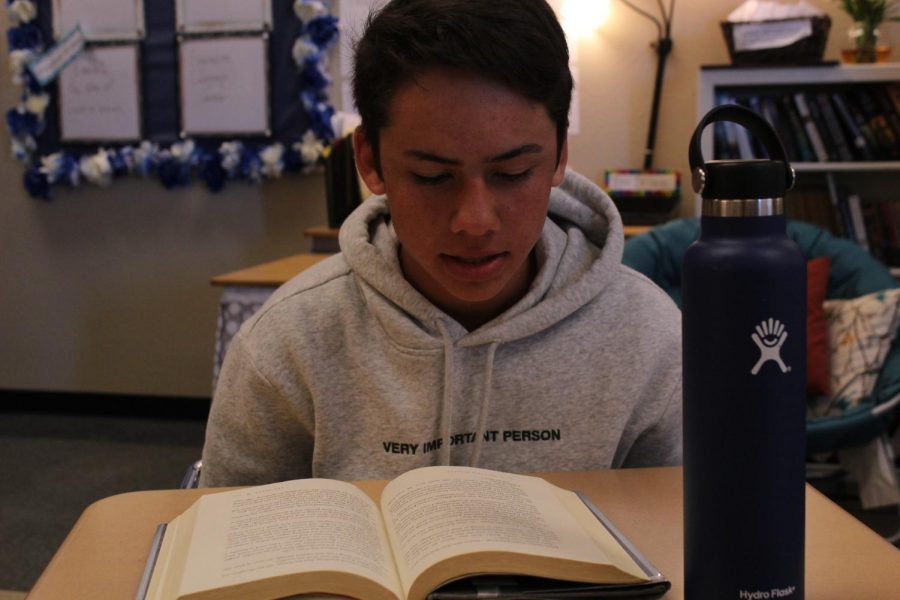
476, 212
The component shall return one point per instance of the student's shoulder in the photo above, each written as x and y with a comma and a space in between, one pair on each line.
321, 290
639, 283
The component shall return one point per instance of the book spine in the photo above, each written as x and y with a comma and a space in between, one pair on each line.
796, 125
878, 123
874, 230
854, 203
841, 147
843, 209
815, 139
862, 149
772, 115
882, 96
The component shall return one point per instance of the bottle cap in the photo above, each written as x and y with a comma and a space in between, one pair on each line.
756, 182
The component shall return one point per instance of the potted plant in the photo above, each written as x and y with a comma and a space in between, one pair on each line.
867, 15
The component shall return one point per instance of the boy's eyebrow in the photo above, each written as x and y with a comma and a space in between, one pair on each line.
423, 155
509, 154
526, 149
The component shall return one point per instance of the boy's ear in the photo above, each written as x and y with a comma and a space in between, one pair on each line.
560, 172
365, 162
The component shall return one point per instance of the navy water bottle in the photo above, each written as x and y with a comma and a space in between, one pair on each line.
744, 350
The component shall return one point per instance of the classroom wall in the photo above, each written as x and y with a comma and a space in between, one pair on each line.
107, 290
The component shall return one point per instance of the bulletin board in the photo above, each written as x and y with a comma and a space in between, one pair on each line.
175, 90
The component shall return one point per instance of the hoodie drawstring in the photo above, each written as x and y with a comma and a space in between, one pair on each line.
485, 402
447, 400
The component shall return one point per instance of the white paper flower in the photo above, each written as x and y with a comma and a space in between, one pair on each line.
51, 166
96, 168
23, 10
145, 157
271, 158
231, 156
307, 10
37, 104
309, 148
18, 60
183, 151
303, 49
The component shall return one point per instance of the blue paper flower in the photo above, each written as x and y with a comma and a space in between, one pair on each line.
36, 183
212, 173
173, 172
312, 77
293, 162
320, 120
323, 31
118, 162
24, 37
22, 122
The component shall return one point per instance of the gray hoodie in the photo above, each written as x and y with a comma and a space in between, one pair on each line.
348, 372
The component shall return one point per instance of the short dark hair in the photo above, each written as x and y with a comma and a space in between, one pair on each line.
518, 43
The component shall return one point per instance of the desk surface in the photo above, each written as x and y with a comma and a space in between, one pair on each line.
270, 274
104, 554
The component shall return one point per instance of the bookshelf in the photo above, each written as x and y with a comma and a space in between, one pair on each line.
828, 181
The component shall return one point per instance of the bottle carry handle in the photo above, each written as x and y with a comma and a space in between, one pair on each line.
758, 126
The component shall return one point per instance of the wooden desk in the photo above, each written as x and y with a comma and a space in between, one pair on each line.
103, 556
270, 274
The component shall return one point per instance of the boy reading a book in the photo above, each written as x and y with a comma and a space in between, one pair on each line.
478, 312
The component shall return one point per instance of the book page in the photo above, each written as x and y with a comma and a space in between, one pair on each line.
435, 513
283, 528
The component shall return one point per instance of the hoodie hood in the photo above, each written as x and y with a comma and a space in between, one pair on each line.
578, 253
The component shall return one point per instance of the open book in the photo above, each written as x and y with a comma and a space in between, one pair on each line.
439, 532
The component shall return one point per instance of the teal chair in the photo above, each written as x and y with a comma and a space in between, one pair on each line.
658, 254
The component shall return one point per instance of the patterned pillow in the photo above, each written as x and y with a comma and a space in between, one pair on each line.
860, 332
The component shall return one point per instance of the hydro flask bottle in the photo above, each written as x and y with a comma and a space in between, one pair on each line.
744, 351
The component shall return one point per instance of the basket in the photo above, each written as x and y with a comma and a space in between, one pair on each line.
807, 50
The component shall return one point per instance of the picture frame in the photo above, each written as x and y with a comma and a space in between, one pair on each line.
209, 16
100, 20
100, 95
224, 85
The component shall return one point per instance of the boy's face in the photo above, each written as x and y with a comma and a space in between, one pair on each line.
467, 165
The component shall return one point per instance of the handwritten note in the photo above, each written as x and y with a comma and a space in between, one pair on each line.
100, 96
224, 86
100, 19
219, 15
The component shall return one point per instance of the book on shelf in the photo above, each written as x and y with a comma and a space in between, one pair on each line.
840, 148
883, 98
877, 121
797, 129
862, 148
437, 533
854, 205
769, 110
812, 130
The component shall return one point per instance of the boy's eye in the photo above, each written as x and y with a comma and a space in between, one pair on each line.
513, 177
430, 179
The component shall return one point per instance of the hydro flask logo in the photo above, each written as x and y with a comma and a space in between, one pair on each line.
769, 338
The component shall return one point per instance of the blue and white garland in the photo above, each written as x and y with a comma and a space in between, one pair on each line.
180, 162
